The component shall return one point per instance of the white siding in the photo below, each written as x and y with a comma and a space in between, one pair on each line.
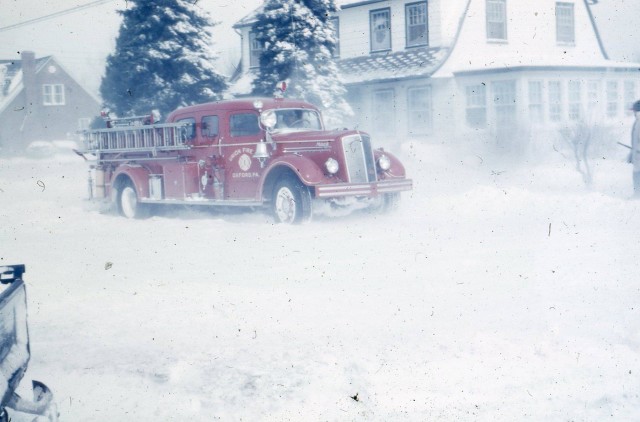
531, 39
448, 13
246, 50
530, 59
355, 30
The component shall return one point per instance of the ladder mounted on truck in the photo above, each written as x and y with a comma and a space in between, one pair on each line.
151, 138
137, 134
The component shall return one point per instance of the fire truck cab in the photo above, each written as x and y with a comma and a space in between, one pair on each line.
257, 152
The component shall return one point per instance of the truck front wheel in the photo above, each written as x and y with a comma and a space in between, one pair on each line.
128, 203
386, 203
291, 202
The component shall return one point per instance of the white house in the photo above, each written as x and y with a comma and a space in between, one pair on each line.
493, 70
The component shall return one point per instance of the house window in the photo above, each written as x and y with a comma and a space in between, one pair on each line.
535, 102
255, 50
575, 90
593, 95
419, 110
496, 20
504, 101
555, 101
612, 98
383, 117
53, 94
335, 22
416, 21
565, 30
629, 95
380, 22
476, 106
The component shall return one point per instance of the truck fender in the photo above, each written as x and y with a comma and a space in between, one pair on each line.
137, 174
396, 170
305, 169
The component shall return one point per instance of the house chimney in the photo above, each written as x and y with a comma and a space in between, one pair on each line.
28, 63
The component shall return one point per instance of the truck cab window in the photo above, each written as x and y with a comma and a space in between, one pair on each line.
190, 130
244, 124
210, 126
291, 120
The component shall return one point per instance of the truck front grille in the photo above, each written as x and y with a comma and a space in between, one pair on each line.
358, 158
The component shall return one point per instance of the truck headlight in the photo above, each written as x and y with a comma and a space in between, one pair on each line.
384, 162
332, 165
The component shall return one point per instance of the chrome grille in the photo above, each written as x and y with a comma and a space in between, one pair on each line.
358, 158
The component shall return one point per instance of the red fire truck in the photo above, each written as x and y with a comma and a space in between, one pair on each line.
258, 152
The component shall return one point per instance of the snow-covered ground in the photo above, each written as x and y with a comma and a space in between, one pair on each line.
497, 292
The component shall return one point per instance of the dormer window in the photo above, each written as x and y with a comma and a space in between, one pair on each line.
497, 20
565, 28
416, 18
380, 24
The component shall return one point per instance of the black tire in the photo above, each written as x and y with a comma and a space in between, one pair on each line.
128, 204
291, 202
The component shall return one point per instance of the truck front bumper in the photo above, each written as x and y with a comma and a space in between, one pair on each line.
363, 189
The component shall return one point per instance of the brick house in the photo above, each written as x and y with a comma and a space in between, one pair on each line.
40, 100
465, 70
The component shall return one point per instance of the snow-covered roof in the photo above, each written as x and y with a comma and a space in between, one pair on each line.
415, 63
11, 79
242, 84
400, 65
354, 3
251, 17
545, 64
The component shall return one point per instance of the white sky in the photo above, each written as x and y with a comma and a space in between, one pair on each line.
82, 40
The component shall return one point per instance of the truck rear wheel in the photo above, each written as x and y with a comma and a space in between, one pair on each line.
128, 203
291, 202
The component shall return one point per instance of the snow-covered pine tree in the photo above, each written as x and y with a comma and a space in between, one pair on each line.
163, 59
299, 41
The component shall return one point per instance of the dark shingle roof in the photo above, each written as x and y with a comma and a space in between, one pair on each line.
418, 62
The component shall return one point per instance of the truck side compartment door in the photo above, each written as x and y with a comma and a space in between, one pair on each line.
181, 178
242, 171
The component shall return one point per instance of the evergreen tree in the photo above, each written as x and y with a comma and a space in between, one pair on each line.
299, 42
163, 59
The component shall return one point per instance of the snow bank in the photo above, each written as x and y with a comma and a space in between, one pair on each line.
496, 292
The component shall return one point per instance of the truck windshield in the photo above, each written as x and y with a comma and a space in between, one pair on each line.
296, 120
